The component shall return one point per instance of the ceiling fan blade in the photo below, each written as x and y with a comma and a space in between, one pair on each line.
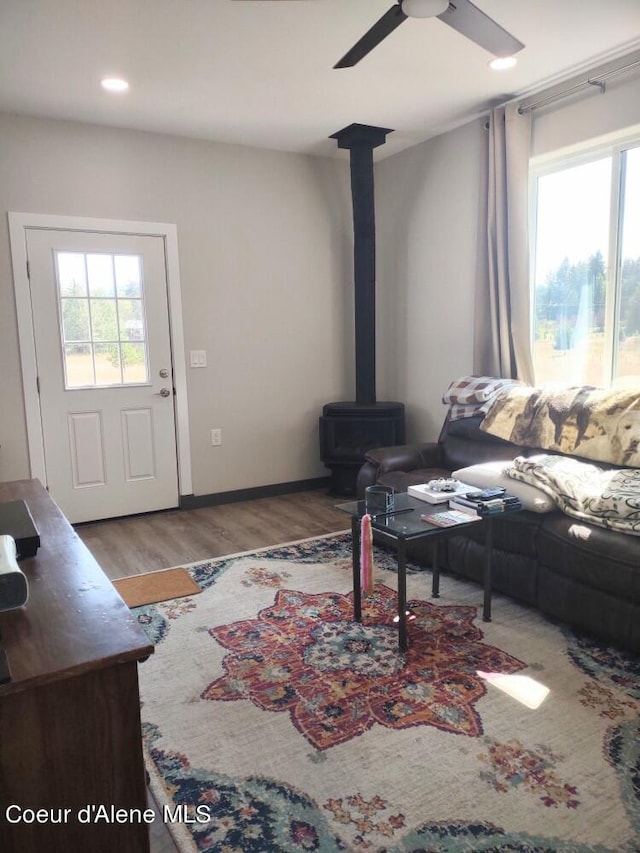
468, 20
379, 31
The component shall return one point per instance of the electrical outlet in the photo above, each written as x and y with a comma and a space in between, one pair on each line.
216, 437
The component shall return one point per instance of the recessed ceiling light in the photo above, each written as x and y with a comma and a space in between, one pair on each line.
114, 84
501, 63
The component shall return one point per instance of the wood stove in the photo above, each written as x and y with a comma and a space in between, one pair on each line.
349, 428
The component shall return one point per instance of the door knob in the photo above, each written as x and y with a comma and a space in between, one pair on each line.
163, 392
164, 373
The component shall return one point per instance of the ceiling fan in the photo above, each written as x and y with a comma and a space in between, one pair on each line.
462, 15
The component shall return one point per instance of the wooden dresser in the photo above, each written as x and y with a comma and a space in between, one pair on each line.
70, 717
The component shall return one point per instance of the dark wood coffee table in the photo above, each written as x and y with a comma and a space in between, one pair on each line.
405, 524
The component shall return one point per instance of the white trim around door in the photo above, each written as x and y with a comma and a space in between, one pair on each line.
18, 225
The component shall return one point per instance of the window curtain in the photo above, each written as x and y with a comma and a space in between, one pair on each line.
502, 311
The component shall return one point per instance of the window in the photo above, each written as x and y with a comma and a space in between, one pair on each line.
586, 267
102, 319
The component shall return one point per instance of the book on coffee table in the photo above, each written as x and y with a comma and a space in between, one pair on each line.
464, 504
433, 496
507, 503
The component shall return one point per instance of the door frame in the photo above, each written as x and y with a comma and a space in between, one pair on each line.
19, 223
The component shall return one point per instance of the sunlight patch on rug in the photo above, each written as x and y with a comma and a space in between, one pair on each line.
294, 728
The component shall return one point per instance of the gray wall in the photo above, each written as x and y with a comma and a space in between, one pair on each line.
428, 225
265, 262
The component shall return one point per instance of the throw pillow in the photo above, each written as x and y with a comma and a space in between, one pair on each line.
471, 395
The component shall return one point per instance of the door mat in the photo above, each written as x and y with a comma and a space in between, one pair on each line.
153, 587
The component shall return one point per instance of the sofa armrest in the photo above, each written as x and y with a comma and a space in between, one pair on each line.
404, 457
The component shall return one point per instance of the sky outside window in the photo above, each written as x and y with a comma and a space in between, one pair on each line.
573, 216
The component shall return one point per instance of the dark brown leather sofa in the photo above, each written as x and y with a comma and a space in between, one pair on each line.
581, 574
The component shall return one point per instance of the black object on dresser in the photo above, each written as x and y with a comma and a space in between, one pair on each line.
16, 521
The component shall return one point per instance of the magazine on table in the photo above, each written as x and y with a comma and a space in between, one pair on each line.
449, 518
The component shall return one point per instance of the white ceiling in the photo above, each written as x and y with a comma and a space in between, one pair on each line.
259, 72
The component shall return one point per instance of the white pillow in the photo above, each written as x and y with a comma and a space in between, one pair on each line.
494, 474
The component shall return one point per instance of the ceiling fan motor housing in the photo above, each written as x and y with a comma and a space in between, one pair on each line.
424, 8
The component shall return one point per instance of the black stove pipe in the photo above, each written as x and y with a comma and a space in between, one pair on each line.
361, 139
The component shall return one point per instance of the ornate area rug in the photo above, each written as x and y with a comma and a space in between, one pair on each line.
274, 722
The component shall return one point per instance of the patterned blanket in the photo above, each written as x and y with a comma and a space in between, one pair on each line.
595, 423
606, 497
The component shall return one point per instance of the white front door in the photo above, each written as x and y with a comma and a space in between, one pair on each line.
103, 354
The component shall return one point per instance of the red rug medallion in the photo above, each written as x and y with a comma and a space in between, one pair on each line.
336, 677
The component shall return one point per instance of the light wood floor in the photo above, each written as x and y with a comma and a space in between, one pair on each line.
129, 546
144, 543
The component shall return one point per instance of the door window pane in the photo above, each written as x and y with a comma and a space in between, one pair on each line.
102, 319
78, 360
133, 362
75, 320
107, 362
128, 278
131, 319
100, 275
72, 274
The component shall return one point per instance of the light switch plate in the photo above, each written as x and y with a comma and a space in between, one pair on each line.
198, 358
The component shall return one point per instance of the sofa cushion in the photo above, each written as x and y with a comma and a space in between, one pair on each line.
611, 618
513, 574
463, 443
600, 559
494, 474
514, 533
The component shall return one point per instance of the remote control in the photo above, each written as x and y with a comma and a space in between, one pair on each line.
490, 494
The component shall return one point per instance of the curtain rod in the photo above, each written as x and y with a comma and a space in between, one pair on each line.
590, 81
